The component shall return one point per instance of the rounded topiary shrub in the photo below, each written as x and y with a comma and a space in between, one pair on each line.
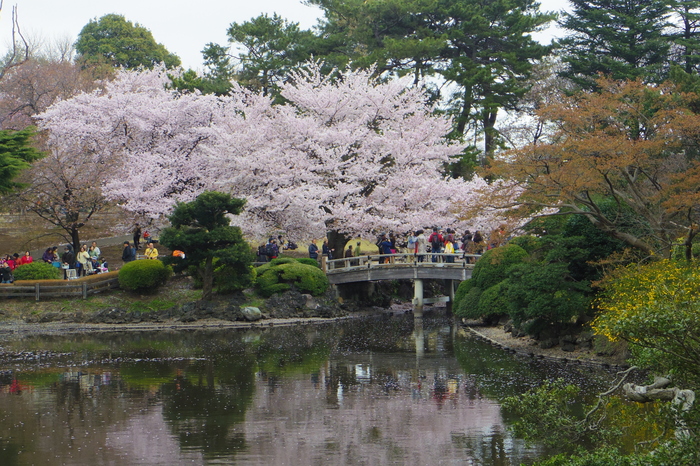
493, 266
276, 277
144, 275
308, 261
494, 301
528, 242
468, 305
37, 271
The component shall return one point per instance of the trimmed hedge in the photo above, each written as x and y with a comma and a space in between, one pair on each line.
280, 275
89, 279
493, 266
483, 295
37, 271
142, 275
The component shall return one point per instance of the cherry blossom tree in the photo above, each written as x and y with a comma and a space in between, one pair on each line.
93, 137
350, 155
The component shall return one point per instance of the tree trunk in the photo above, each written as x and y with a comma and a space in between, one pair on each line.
489, 122
75, 239
688, 243
208, 279
337, 241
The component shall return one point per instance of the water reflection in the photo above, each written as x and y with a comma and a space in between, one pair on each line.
377, 391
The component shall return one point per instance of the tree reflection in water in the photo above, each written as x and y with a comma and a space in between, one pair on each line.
368, 391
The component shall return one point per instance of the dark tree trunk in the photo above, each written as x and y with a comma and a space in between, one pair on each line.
75, 239
208, 279
337, 241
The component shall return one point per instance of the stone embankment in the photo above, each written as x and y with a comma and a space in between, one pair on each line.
605, 355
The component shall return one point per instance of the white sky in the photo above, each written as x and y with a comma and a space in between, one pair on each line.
184, 27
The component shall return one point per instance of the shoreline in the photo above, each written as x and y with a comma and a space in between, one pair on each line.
14, 327
527, 347
494, 335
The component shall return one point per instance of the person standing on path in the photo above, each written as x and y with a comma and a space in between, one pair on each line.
82, 257
137, 235
327, 251
421, 245
313, 250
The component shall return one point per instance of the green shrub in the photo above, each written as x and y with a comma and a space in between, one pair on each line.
280, 275
541, 290
308, 261
144, 275
468, 306
493, 266
230, 278
37, 271
494, 301
461, 292
528, 242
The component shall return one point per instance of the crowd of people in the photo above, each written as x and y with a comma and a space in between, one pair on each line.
421, 244
440, 241
271, 250
10, 262
87, 261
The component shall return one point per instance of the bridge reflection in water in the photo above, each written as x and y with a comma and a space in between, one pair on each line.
453, 268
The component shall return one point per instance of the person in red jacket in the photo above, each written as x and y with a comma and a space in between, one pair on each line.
26, 258
436, 243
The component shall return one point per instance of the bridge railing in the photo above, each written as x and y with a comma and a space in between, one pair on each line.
399, 260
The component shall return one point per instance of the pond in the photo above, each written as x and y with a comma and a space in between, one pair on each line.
364, 392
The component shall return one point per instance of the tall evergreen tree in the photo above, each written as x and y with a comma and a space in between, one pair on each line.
16, 154
392, 35
483, 50
620, 38
114, 41
261, 53
685, 34
202, 230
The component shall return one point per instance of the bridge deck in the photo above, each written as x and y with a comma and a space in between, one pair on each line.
400, 267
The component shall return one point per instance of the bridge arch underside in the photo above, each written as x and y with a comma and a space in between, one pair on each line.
399, 273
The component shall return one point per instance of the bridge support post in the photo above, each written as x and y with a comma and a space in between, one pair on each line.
418, 298
451, 294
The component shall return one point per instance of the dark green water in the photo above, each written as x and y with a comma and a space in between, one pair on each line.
371, 392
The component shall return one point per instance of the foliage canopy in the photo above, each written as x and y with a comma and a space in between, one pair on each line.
114, 41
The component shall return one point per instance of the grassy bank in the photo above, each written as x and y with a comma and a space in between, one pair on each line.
178, 291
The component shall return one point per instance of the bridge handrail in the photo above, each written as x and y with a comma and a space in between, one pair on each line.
392, 260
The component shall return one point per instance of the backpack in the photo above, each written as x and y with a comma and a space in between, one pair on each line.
269, 250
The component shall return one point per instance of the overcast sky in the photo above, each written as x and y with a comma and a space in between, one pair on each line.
184, 27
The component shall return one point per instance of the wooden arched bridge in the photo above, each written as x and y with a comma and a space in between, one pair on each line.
451, 267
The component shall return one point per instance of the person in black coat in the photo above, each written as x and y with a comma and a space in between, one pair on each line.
128, 253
